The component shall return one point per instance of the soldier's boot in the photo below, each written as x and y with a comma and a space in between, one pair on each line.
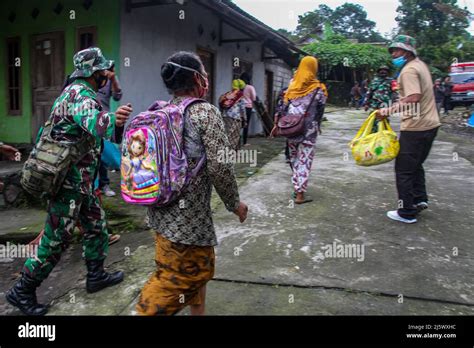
98, 279
23, 296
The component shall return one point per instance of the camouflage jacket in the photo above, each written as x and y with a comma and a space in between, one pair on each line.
77, 113
380, 93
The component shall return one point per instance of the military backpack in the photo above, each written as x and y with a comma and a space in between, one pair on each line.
50, 161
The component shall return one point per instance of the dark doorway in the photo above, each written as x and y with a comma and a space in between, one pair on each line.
269, 91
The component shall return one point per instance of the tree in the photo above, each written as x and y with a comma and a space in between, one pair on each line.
338, 51
349, 20
289, 35
314, 21
439, 28
425, 20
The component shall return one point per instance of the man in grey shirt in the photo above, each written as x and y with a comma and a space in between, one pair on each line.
111, 90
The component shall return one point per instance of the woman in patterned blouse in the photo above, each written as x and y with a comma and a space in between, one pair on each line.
308, 93
185, 236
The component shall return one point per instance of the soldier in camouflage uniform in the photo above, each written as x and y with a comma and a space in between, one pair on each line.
380, 92
76, 113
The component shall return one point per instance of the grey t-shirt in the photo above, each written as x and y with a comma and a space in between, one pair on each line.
105, 93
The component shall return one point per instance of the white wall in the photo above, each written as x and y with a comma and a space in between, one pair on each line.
281, 74
150, 35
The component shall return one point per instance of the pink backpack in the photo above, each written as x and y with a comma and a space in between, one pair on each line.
154, 168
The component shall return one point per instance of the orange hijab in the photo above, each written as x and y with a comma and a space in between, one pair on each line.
305, 81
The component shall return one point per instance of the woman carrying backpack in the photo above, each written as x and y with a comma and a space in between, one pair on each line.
232, 105
185, 236
309, 95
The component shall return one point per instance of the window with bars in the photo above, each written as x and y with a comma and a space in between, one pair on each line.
13, 76
86, 37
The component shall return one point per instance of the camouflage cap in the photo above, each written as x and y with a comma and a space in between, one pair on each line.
89, 61
383, 67
404, 42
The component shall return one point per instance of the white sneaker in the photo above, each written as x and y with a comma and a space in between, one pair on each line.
107, 191
394, 216
421, 206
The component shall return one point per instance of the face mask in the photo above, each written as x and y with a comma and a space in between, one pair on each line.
203, 87
101, 81
399, 62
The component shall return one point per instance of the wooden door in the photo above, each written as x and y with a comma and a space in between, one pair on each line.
47, 75
207, 58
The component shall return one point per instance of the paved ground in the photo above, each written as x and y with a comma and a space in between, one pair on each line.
275, 262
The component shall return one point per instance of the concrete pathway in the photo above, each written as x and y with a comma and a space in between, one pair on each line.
428, 265
277, 262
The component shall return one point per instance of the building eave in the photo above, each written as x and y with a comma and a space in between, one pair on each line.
234, 16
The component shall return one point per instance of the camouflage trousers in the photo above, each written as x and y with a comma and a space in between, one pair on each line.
64, 211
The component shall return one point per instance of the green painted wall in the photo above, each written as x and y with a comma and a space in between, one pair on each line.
104, 14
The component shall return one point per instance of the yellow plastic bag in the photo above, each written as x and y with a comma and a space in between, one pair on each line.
369, 149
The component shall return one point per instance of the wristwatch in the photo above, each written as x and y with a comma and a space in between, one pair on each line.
1, 144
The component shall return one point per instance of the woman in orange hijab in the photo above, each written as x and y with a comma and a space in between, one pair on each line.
305, 93
305, 80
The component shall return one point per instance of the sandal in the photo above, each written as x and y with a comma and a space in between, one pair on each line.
306, 200
113, 238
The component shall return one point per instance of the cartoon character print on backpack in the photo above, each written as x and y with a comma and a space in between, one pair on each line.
140, 167
154, 166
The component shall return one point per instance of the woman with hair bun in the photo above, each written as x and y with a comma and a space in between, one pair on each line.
185, 235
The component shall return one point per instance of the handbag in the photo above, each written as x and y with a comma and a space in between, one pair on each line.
292, 123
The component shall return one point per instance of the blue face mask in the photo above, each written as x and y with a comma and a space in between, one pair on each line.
399, 62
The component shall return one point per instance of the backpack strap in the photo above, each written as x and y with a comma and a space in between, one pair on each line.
185, 104
78, 149
84, 145
158, 104
47, 129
